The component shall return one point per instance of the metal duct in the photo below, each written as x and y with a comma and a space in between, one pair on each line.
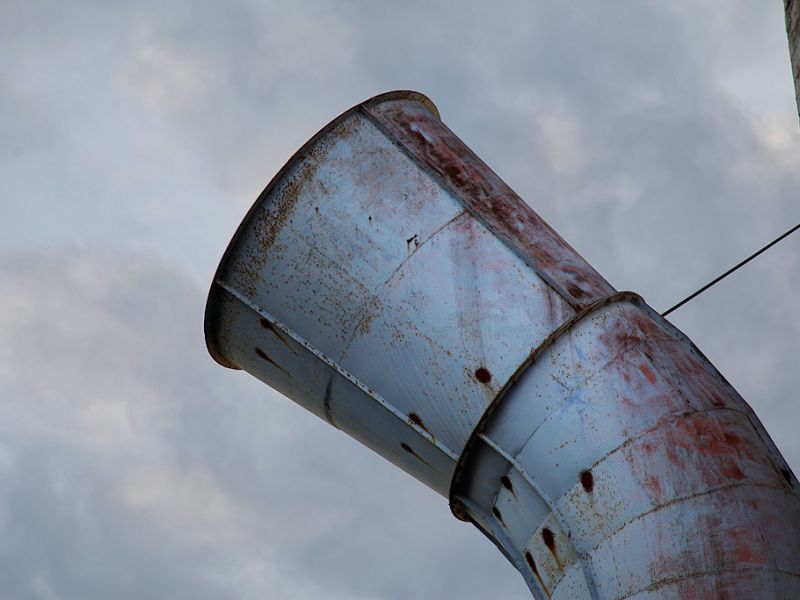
391, 283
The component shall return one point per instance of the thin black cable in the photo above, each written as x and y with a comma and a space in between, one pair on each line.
729, 271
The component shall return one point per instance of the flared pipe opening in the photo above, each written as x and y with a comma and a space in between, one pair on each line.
211, 325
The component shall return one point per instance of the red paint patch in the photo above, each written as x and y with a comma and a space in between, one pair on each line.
648, 373
426, 137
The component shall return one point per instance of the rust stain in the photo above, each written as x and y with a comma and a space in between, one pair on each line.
506, 482
697, 447
535, 571
672, 375
410, 450
263, 355
274, 217
652, 484
647, 372
488, 196
326, 402
271, 328
748, 546
483, 375
587, 480
695, 452
549, 540
416, 420
496, 513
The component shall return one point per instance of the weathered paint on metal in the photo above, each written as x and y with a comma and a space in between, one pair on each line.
389, 282
619, 464
490, 200
364, 288
793, 29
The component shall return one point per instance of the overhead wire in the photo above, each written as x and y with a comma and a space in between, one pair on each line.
729, 271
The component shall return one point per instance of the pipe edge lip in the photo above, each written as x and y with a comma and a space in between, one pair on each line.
402, 95
213, 311
460, 478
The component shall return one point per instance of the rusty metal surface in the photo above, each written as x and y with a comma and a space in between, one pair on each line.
620, 464
490, 200
389, 282
388, 307
793, 30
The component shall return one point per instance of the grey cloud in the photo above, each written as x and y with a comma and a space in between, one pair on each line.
133, 466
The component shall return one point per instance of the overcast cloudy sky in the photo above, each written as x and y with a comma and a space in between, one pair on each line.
659, 138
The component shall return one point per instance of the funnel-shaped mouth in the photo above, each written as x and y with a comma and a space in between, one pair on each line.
212, 325
390, 282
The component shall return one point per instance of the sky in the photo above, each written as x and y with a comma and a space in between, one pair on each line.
660, 139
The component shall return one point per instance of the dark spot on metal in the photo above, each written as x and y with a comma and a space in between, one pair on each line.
270, 327
410, 450
732, 438
787, 475
497, 514
531, 563
416, 420
327, 401
482, 374
507, 483
549, 539
263, 355
535, 571
453, 171
587, 480
413, 239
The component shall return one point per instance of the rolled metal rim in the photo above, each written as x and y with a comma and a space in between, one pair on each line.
462, 468
212, 312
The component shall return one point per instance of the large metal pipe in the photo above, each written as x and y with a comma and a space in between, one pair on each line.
391, 283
